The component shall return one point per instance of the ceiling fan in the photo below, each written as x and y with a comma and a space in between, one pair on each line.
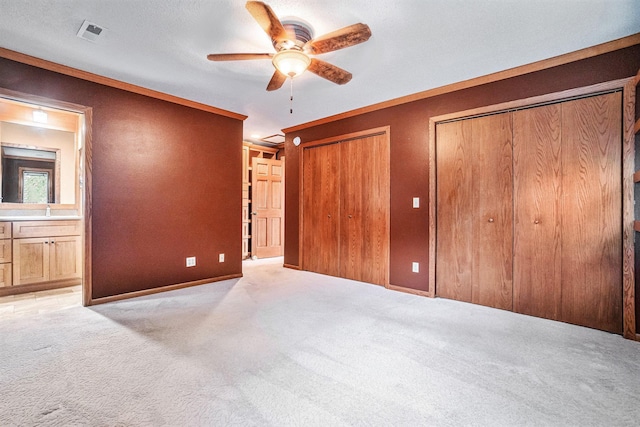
293, 43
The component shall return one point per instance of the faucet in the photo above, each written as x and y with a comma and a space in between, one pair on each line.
48, 211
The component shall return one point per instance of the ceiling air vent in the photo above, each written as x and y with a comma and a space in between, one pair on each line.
90, 31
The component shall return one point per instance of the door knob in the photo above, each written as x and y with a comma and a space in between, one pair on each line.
490, 219
254, 213
350, 216
536, 221
328, 216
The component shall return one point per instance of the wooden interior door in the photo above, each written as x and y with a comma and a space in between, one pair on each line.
364, 203
592, 212
474, 259
537, 160
267, 185
321, 209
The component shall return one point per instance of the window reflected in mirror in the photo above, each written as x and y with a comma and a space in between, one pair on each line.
39, 159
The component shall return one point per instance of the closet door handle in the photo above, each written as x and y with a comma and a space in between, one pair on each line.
328, 216
490, 219
350, 216
536, 221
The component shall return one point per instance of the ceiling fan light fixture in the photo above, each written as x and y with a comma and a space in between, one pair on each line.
291, 63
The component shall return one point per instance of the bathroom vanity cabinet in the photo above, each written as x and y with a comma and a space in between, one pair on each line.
37, 255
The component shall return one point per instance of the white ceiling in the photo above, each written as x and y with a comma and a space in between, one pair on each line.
416, 45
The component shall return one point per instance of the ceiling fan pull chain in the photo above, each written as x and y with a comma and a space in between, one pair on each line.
291, 98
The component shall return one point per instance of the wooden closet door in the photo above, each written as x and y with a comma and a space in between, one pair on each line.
364, 203
492, 172
537, 188
321, 209
454, 210
474, 258
592, 212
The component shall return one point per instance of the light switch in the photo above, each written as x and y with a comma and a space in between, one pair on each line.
416, 202
415, 267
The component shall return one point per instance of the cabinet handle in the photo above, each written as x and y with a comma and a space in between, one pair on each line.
53, 242
490, 219
46, 242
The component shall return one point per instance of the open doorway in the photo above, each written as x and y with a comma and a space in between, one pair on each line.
45, 149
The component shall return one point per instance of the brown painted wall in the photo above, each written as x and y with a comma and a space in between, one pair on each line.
409, 150
166, 183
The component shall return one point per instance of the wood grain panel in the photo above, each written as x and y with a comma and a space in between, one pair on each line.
5, 250
537, 236
266, 241
47, 228
5, 230
591, 212
353, 188
454, 210
321, 209
5, 275
364, 201
65, 258
492, 277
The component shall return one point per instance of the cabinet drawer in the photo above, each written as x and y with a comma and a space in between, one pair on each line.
5, 230
22, 229
5, 275
5, 250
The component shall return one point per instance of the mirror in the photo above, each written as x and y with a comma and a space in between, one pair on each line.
39, 156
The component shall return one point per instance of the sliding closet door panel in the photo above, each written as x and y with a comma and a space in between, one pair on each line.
492, 281
364, 205
321, 209
537, 235
591, 212
454, 210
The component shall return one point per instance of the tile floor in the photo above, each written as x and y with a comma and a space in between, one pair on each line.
14, 306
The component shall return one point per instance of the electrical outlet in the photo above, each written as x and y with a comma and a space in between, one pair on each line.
415, 267
221, 258
191, 261
416, 202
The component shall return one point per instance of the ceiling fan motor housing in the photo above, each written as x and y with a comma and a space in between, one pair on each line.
299, 32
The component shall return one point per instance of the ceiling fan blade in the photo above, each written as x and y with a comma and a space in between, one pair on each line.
277, 80
339, 39
267, 20
238, 56
329, 71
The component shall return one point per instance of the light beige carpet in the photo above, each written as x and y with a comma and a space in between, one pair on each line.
288, 348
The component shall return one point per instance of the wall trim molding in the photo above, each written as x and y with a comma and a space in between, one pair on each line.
544, 64
410, 291
103, 300
95, 78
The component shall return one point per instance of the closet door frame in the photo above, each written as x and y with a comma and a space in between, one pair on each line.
383, 130
628, 88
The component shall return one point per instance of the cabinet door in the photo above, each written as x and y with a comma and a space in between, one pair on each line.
30, 260
321, 209
5, 275
65, 258
364, 203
